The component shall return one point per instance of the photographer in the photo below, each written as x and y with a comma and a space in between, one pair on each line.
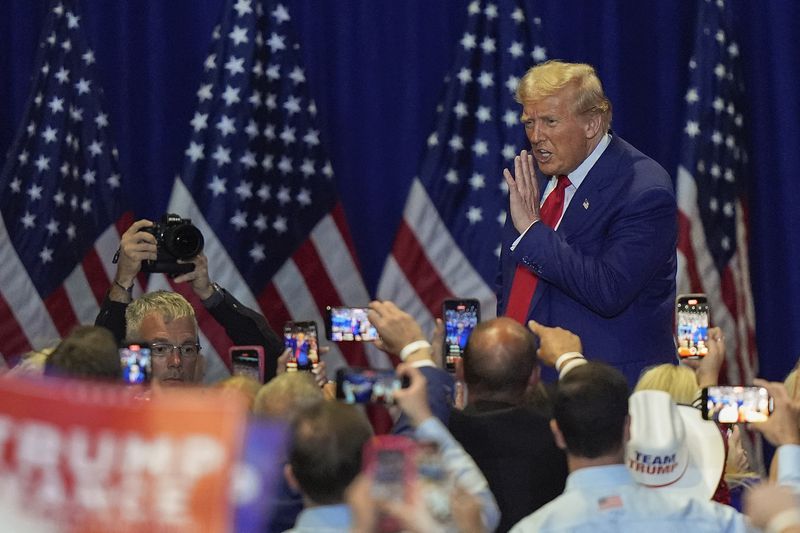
243, 325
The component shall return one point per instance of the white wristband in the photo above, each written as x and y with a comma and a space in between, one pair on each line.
569, 365
564, 357
783, 520
412, 347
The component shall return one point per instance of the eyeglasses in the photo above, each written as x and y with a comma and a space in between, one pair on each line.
187, 350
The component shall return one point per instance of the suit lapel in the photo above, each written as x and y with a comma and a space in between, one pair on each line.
592, 195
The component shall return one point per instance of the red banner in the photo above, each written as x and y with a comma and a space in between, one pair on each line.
83, 457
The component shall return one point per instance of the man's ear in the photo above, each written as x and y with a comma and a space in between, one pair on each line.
626, 430
557, 435
593, 125
288, 474
535, 377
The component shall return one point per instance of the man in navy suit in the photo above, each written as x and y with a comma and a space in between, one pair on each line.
589, 243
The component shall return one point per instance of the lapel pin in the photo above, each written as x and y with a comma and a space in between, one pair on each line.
586, 203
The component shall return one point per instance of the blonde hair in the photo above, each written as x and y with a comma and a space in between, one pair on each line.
550, 77
170, 305
285, 395
244, 385
679, 381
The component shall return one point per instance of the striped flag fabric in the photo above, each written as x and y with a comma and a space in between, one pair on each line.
60, 196
712, 218
258, 184
448, 242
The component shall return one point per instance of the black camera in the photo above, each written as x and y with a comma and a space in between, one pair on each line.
176, 238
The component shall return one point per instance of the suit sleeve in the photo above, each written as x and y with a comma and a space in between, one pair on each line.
246, 327
634, 246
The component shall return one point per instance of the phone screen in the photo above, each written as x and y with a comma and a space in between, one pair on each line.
460, 318
247, 361
389, 478
137, 364
350, 324
301, 340
362, 385
736, 404
692, 318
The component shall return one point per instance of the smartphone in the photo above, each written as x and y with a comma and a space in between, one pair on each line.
736, 404
248, 361
367, 385
390, 460
692, 325
390, 463
137, 363
301, 340
349, 324
460, 318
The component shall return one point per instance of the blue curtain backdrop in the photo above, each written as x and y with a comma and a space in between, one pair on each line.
376, 68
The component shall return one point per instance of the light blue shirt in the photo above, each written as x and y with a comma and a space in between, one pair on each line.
604, 499
789, 465
462, 467
323, 519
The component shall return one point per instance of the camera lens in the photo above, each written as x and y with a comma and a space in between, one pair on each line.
184, 241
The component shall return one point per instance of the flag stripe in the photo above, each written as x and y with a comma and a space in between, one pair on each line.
98, 281
332, 251
60, 308
21, 297
80, 297
16, 343
414, 263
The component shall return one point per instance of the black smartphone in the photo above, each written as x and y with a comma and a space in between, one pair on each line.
137, 363
733, 404
367, 385
301, 340
692, 325
460, 318
248, 361
343, 324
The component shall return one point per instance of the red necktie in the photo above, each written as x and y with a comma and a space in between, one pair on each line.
524, 285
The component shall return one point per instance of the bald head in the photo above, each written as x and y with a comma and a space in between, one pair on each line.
499, 359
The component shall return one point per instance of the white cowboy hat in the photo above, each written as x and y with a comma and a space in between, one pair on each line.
672, 448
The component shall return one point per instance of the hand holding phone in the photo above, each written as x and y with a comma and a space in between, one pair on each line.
736, 404
137, 363
692, 325
460, 318
248, 361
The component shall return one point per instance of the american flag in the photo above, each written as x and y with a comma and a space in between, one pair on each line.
60, 196
448, 243
712, 242
258, 184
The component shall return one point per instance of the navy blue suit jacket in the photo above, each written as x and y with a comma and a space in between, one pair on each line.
608, 272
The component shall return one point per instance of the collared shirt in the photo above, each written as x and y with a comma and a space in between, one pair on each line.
789, 465
576, 178
323, 519
607, 499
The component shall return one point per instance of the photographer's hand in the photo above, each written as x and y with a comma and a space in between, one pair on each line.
135, 246
201, 282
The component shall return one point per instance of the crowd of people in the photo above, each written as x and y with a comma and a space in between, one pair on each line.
537, 429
